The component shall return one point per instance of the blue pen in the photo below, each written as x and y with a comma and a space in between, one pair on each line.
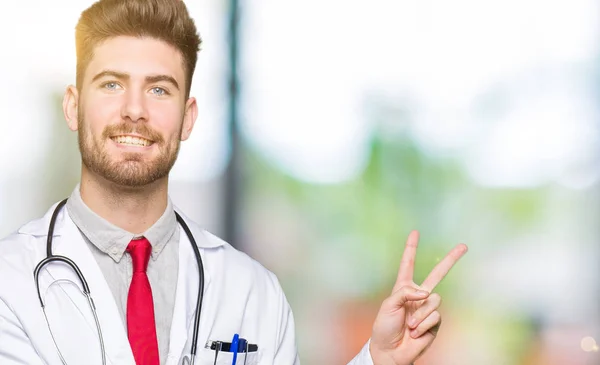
234, 347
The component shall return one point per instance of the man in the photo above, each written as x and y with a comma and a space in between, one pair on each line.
131, 108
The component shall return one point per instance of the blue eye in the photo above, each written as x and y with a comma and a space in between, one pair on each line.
159, 91
111, 85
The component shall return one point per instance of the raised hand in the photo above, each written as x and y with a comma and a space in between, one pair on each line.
408, 320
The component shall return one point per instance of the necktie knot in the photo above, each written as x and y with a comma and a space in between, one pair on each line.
140, 250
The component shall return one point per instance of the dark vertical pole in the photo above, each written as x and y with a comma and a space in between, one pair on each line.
233, 171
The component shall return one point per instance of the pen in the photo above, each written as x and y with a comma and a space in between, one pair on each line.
243, 347
234, 347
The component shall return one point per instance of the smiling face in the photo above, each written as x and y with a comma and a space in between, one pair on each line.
131, 111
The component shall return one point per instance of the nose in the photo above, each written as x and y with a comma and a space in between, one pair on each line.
134, 107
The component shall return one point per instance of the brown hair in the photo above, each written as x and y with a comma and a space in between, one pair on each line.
165, 20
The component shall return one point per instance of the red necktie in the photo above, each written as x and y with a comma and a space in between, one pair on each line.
141, 327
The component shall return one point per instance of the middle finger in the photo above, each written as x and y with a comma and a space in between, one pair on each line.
443, 267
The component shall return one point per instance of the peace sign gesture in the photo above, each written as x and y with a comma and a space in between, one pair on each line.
408, 320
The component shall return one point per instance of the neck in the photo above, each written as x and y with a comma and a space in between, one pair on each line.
134, 209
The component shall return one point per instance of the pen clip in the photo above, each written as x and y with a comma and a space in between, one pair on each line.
218, 346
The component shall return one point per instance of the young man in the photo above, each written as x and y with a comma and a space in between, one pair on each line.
131, 108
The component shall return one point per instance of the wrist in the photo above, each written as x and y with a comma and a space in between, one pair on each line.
383, 357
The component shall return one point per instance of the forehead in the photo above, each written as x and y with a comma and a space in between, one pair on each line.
136, 56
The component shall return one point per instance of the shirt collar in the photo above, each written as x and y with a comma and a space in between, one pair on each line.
113, 240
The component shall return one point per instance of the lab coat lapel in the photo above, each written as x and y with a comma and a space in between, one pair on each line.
69, 242
186, 297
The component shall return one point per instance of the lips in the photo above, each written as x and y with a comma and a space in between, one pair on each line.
134, 141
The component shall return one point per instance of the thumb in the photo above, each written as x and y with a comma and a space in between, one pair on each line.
403, 295
390, 323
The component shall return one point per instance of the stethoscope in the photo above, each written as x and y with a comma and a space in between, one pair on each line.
86, 289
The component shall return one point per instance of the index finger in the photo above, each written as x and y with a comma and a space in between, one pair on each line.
407, 263
443, 267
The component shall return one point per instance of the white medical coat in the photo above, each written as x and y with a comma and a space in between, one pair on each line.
240, 296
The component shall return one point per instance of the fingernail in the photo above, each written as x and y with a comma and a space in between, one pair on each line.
412, 322
422, 292
414, 333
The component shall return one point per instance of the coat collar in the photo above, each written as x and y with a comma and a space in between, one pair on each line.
39, 227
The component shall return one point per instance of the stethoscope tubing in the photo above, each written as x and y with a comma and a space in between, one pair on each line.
50, 257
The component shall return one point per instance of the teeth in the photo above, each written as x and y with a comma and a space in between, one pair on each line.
132, 141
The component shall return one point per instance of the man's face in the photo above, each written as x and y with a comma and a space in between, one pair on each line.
132, 111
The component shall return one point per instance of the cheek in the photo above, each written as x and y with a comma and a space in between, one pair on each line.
100, 112
167, 118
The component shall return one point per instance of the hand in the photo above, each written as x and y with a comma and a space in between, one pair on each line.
408, 320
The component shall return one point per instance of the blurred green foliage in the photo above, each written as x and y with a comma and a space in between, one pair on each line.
401, 188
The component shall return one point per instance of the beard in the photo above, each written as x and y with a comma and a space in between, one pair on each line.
132, 169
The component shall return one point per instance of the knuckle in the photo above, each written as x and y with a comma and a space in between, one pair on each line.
417, 315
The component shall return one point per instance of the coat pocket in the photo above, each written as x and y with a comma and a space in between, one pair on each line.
207, 357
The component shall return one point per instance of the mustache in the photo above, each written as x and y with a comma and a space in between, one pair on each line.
128, 128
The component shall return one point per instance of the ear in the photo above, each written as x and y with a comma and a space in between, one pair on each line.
189, 118
71, 107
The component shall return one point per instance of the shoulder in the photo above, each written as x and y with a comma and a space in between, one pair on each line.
239, 258
19, 254
233, 260
18, 250
21, 250
243, 262
20, 241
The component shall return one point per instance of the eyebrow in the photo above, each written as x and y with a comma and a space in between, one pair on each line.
110, 73
166, 78
125, 76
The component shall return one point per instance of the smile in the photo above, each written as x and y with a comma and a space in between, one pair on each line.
132, 141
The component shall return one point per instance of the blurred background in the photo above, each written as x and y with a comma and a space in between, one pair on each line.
328, 130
